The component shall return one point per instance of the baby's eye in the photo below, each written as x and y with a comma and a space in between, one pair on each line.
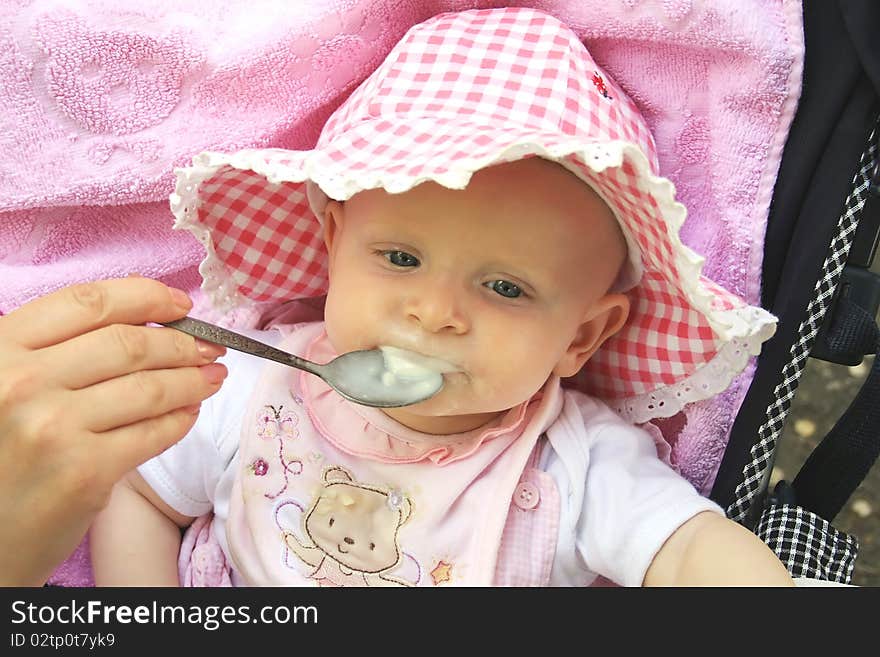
331, 522
401, 259
505, 288
372, 546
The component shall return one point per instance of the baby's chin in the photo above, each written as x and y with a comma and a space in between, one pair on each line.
448, 401
439, 421
453, 405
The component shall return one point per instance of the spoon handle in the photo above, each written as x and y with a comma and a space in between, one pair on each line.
233, 340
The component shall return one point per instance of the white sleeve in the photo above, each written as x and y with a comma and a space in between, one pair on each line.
632, 502
186, 475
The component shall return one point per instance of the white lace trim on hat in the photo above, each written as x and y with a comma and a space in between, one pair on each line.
754, 326
741, 331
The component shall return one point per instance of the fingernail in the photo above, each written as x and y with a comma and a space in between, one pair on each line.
209, 349
214, 373
180, 298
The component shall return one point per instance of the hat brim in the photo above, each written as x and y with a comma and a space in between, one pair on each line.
255, 213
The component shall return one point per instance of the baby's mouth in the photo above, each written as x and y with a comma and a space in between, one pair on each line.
418, 359
339, 547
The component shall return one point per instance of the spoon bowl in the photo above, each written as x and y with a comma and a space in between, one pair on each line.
362, 377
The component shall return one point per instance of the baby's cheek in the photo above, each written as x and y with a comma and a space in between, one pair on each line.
344, 324
522, 378
505, 389
515, 363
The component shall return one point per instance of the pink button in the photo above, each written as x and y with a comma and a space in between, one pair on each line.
526, 496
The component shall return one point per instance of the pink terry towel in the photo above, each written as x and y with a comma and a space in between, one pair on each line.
101, 99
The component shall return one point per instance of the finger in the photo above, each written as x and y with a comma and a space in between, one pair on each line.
145, 394
81, 308
120, 349
125, 448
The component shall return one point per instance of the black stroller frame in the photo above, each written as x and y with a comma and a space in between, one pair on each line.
817, 280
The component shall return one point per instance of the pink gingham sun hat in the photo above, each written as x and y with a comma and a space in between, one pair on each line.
461, 92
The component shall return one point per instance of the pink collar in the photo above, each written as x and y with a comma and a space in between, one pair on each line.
369, 433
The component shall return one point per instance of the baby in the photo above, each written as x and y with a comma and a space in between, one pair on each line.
489, 198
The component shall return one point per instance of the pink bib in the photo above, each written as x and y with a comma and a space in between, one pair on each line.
332, 493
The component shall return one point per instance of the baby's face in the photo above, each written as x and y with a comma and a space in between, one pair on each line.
506, 279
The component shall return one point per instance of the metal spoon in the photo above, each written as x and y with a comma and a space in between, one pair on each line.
359, 376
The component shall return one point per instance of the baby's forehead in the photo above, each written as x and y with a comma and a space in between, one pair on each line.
532, 193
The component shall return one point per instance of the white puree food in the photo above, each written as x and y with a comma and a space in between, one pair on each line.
413, 370
393, 377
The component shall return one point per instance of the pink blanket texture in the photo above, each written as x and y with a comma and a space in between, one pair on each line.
100, 100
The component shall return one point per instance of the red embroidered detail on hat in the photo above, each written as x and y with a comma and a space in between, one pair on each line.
600, 85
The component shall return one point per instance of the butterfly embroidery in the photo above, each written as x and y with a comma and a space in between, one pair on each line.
276, 423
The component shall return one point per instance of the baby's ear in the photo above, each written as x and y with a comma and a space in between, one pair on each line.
605, 318
334, 214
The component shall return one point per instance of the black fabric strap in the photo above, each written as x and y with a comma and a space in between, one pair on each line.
843, 458
808, 545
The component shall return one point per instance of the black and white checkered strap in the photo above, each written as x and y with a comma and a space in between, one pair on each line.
756, 472
807, 544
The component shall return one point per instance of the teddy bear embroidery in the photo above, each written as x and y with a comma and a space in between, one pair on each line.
350, 532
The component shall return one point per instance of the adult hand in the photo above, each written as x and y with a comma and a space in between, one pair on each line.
86, 394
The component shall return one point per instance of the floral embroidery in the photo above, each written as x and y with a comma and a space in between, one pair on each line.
278, 424
259, 467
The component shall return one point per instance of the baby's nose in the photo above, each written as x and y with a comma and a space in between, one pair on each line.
437, 310
348, 540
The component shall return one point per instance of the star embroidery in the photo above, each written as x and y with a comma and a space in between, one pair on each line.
442, 572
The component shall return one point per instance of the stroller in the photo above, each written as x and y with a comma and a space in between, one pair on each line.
808, 79
819, 251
